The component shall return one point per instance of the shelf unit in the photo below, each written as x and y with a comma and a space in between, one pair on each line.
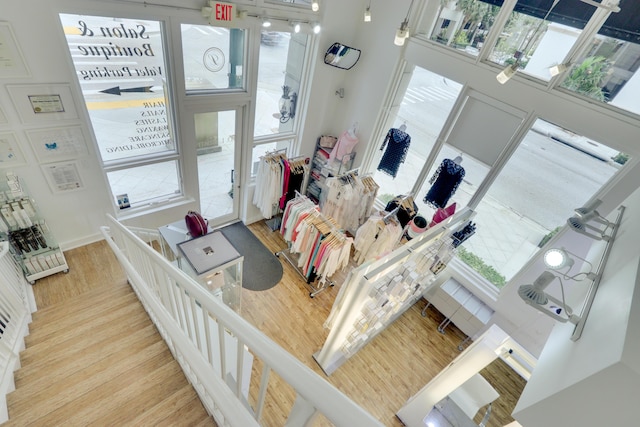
460, 307
322, 168
32, 243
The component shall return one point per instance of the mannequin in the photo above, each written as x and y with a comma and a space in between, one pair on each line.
397, 142
346, 142
444, 182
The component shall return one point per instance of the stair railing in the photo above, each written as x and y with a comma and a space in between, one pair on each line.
15, 316
198, 328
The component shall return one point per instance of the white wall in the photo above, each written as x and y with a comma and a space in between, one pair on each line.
595, 380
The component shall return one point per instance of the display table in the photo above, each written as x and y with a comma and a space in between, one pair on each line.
210, 259
447, 414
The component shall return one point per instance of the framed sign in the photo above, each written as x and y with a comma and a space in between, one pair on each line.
12, 63
63, 176
10, 154
57, 144
38, 104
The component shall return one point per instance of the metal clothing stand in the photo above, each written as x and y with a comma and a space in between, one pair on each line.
326, 227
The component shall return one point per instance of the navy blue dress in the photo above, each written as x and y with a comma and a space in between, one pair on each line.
397, 143
444, 182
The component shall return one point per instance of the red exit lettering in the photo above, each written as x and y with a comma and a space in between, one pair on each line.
223, 12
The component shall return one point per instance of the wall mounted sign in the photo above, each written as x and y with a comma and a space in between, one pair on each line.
221, 12
12, 63
63, 176
57, 144
38, 104
10, 154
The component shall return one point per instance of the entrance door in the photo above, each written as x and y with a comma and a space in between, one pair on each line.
218, 164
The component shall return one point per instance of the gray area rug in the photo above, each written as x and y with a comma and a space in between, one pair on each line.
261, 269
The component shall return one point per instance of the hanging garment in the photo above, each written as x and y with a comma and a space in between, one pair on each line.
344, 147
444, 182
397, 143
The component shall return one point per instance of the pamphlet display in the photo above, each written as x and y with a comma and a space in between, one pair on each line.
30, 240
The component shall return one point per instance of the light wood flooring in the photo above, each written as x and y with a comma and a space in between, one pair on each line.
384, 374
380, 377
93, 356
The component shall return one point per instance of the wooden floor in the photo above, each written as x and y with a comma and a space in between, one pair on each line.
388, 370
93, 356
380, 377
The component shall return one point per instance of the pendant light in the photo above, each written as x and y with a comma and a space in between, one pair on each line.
506, 74
367, 13
402, 33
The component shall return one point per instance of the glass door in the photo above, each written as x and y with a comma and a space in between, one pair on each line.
218, 164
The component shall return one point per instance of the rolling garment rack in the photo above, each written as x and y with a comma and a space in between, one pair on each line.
322, 252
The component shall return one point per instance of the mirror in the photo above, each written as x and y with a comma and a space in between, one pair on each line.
341, 56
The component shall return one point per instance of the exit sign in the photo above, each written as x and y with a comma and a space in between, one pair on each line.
222, 12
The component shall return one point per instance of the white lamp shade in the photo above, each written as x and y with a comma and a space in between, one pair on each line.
507, 73
401, 35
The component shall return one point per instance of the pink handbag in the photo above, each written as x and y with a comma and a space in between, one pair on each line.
196, 224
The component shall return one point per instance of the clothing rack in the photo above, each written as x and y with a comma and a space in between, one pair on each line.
329, 232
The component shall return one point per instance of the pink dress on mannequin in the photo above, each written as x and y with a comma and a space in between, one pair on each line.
344, 146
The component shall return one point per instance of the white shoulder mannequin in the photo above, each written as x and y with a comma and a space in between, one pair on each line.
353, 129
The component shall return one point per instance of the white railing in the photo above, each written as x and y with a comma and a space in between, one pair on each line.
15, 316
197, 328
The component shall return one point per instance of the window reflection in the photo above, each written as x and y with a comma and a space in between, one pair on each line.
607, 72
464, 25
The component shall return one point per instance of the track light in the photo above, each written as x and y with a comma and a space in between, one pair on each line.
315, 6
266, 23
507, 73
296, 27
535, 296
558, 259
316, 28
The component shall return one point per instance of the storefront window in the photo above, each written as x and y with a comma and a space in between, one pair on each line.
121, 69
536, 44
423, 111
608, 72
213, 57
552, 172
464, 25
280, 66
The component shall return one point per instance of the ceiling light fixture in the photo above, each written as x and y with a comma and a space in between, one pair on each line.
558, 259
506, 74
558, 69
316, 28
535, 296
315, 6
367, 13
266, 23
402, 33
296, 27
